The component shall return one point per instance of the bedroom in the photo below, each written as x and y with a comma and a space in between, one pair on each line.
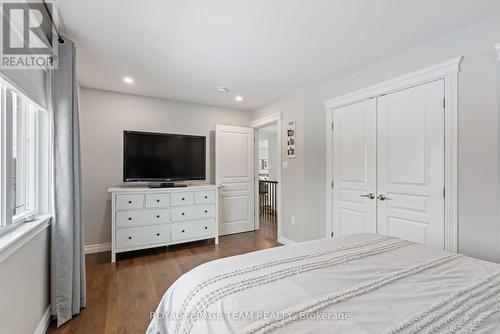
385, 118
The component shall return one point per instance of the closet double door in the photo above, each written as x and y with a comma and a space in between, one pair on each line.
388, 166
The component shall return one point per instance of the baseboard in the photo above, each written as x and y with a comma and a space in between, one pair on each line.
97, 248
285, 241
44, 323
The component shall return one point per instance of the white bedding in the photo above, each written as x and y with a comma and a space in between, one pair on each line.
363, 283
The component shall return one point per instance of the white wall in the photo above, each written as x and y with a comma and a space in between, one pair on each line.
272, 149
293, 179
24, 286
479, 223
263, 150
268, 149
104, 116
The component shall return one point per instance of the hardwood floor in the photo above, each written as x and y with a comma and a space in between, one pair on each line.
120, 296
268, 227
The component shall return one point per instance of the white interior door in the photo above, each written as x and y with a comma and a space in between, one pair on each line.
411, 164
234, 172
354, 169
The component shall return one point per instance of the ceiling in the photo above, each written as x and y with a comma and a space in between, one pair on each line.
261, 49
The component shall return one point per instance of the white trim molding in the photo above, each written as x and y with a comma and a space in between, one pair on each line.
44, 323
19, 234
430, 73
98, 248
258, 123
285, 241
497, 47
447, 71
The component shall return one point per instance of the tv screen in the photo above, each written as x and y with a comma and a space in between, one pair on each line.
158, 157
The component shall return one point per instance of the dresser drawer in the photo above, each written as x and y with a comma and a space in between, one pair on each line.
157, 200
141, 236
193, 229
129, 202
205, 196
183, 198
142, 217
193, 212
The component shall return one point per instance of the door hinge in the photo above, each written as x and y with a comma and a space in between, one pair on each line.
332, 184
333, 125
444, 192
331, 234
444, 103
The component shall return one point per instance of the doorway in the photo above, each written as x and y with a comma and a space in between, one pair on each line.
268, 182
268, 177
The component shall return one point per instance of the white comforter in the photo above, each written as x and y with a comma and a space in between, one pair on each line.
362, 283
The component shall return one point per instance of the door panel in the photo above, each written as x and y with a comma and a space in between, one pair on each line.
235, 208
354, 168
234, 172
410, 126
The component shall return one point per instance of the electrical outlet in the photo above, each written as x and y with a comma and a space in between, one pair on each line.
292, 220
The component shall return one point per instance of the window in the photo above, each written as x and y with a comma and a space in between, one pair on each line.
21, 144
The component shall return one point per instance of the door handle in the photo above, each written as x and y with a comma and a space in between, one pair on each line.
383, 198
370, 195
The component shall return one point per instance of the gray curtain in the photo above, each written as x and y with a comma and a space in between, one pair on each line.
67, 259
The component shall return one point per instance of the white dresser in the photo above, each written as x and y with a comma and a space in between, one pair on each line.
146, 218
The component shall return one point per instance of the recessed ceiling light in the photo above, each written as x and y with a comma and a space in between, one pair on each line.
238, 98
128, 80
222, 89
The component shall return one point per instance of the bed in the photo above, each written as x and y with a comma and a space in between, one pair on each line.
363, 283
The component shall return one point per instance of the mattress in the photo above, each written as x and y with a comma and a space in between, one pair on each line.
363, 283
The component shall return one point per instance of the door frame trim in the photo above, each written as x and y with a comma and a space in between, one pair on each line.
497, 49
448, 71
256, 125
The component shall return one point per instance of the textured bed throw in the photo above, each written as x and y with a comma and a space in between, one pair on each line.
363, 283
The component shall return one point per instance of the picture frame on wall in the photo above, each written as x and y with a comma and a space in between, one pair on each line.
291, 140
264, 164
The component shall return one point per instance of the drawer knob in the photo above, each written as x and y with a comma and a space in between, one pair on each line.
157, 201
183, 231
183, 198
129, 238
206, 197
129, 218
129, 202
157, 216
183, 213
206, 227
206, 211
158, 234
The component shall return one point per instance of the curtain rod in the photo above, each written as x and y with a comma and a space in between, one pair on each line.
59, 38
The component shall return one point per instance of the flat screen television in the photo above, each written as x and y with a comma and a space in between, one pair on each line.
163, 157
